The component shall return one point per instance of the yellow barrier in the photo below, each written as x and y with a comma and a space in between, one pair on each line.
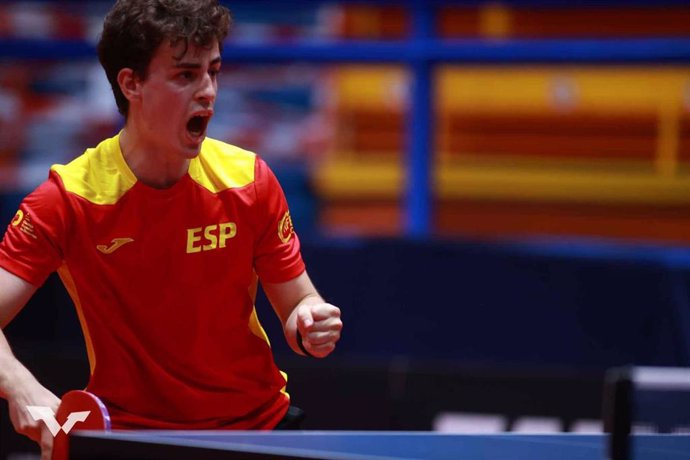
639, 107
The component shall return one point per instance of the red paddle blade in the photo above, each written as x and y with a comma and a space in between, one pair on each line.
78, 410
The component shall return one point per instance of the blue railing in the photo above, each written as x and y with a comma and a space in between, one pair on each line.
420, 53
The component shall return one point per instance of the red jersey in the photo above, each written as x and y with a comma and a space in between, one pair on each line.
164, 282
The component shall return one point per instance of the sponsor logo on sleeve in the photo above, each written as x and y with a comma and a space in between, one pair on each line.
285, 228
17, 219
23, 221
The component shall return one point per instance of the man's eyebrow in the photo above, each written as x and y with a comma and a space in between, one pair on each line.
194, 65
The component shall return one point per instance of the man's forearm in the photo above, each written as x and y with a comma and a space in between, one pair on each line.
303, 310
13, 374
290, 327
14, 293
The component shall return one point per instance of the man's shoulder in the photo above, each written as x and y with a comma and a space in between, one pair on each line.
96, 175
221, 166
217, 147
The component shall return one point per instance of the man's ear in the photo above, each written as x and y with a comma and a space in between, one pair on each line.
130, 84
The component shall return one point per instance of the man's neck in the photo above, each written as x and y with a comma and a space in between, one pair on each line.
150, 163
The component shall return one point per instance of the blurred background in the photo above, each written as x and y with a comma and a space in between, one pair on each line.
496, 194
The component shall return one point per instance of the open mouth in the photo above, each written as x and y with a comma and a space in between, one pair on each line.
196, 126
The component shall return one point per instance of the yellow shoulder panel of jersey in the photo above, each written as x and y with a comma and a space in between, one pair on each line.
222, 166
100, 175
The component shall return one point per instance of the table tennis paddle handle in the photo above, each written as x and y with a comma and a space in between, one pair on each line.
78, 410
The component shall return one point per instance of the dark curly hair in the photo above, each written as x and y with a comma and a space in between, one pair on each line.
134, 29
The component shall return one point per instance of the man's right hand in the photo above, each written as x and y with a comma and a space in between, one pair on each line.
26, 391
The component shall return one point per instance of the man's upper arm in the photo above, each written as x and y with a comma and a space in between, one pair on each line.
33, 244
14, 293
277, 255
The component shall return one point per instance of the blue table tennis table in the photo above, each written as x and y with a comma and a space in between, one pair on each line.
353, 445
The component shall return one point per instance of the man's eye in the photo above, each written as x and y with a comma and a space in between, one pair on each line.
214, 73
187, 75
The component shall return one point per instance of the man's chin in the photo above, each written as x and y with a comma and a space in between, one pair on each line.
191, 154
193, 149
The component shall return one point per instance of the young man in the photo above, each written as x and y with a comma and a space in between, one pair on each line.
159, 235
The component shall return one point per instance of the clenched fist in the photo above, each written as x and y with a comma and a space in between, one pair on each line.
319, 326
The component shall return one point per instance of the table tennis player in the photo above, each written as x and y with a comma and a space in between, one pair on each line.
160, 236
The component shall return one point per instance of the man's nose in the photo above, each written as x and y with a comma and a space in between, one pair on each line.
207, 91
